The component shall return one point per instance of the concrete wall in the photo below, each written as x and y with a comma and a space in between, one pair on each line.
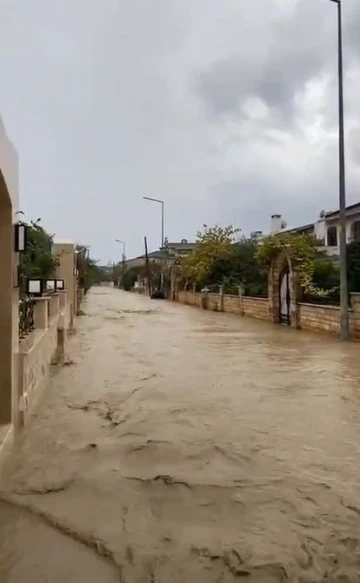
9, 293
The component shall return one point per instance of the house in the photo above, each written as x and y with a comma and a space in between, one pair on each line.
179, 249
325, 229
166, 254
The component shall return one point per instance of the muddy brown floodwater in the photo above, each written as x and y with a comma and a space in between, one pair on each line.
184, 446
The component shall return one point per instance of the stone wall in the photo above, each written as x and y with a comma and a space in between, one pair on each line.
314, 317
189, 298
42, 348
243, 305
327, 318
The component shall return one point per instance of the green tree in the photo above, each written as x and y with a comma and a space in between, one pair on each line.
240, 266
303, 254
130, 277
38, 260
89, 272
213, 244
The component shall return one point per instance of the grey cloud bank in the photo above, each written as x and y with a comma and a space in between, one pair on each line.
226, 111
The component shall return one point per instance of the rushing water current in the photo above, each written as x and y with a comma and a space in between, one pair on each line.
185, 446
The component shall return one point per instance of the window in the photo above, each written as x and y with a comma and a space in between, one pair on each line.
332, 237
356, 231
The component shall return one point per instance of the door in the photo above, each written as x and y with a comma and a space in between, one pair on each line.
285, 298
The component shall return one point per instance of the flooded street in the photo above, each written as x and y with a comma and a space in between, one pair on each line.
183, 446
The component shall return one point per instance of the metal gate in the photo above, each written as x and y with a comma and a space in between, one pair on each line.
285, 298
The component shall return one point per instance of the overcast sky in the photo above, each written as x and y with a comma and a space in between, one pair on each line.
226, 109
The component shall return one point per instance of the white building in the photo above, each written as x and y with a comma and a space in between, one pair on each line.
325, 229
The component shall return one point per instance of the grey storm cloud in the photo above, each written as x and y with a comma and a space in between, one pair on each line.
300, 47
225, 110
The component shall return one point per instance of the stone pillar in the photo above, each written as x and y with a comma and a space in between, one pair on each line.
66, 255
61, 340
355, 315
54, 302
241, 302
41, 313
205, 300
295, 291
221, 298
273, 293
63, 300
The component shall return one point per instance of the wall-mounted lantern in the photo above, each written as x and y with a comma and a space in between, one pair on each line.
75, 272
60, 284
34, 286
50, 286
20, 237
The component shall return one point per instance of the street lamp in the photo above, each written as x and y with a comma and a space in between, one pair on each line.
162, 231
124, 247
162, 215
123, 256
344, 311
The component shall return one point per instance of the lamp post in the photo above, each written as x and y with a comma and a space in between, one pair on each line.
123, 254
344, 312
162, 231
162, 215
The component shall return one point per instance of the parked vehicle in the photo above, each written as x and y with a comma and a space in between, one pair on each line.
157, 294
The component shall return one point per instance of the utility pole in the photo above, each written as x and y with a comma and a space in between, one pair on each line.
148, 268
123, 256
344, 306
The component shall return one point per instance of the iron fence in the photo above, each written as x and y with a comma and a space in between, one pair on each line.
26, 316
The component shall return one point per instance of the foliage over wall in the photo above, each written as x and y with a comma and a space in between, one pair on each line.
240, 267
213, 245
302, 251
90, 273
38, 260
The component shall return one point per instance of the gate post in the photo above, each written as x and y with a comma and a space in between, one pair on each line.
241, 302
295, 290
221, 293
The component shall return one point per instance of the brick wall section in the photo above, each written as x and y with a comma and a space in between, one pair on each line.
327, 318
246, 306
37, 352
214, 302
310, 316
190, 298
315, 317
232, 304
256, 307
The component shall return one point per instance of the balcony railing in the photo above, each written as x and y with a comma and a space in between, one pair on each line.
26, 316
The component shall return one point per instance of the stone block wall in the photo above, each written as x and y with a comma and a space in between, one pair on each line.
232, 304
256, 307
243, 305
189, 298
316, 317
39, 350
327, 318
213, 302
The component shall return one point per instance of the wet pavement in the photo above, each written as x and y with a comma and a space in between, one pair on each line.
183, 446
